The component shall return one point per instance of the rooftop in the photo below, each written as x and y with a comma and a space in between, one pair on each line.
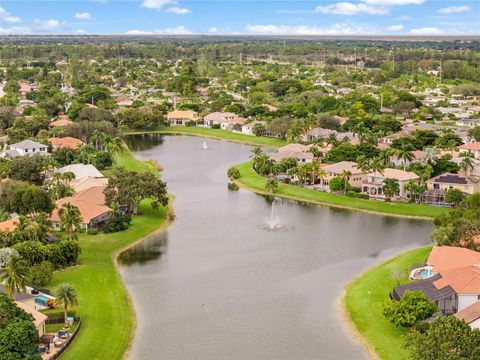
470, 313
450, 257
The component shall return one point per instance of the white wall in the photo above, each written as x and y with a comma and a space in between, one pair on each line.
475, 324
466, 300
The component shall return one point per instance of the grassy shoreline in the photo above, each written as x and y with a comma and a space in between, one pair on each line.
363, 305
254, 182
219, 134
108, 316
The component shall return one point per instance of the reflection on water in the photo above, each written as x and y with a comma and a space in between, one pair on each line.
148, 250
142, 142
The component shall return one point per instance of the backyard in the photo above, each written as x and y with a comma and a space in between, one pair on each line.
251, 180
364, 299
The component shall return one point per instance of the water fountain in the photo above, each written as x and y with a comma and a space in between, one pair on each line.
273, 222
204, 146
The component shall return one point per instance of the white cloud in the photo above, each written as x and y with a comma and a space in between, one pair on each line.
346, 8
179, 30
83, 16
139, 32
395, 27
50, 24
156, 4
213, 30
426, 31
454, 9
394, 2
337, 29
80, 31
15, 30
7, 17
178, 10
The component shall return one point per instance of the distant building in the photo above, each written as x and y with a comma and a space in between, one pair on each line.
81, 171
181, 117
373, 186
356, 178
25, 148
446, 181
66, 143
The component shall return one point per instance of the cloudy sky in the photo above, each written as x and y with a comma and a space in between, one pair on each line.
273, 17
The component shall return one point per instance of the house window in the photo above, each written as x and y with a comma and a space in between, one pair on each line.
26, 150
33, 149
436, 186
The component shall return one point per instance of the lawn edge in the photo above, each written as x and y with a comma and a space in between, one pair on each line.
316, 202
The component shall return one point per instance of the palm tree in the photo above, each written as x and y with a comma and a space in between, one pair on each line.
345, 176
14, 276
332, 140
70, 219
322, 174
405, 154
467, 165
314, 169
68, 177
390, 188
387, 154
315, 151
303, 171
271, 185
66, 297
257, 153
116, 146
364, 164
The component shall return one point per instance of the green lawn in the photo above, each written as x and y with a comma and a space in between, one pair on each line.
128, 161
216, 134
104, 304
250, 179
364, 301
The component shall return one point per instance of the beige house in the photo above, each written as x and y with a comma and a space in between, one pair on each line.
38, 318
298, 151
373, 186
474, 148
446, 181
181, 117
356, 178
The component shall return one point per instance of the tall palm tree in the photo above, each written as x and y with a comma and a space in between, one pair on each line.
405, 154
387, 154
14, 276
70, 219
316, 153
322, 174
257, 153
314, 169
332, 140
345, 176
303, 171
66, 297
364, 164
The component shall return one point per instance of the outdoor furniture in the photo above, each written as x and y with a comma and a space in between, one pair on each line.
47, 338
62, 334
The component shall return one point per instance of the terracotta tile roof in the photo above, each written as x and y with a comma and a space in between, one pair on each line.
38, 317
450, 257
464, 280
66, 142
61, 123
182, 114
470, 313
8, 225
90, 202
339, 167
400, 175
472, 146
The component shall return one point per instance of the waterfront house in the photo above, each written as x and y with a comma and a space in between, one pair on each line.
218, 118
297, 151
355, 180
373, 186
25, 148
39, 318
248, 128
181, 117
91, 204
446, 181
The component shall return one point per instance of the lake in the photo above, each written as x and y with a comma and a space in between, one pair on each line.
217, 285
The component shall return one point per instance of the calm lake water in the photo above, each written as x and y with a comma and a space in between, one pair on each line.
216, 285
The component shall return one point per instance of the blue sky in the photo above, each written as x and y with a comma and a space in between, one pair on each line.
344, 17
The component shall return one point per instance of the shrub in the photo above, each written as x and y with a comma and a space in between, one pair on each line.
233, 173
40, 274
454, 197
215, 126
337, 184
92, 231
357, 195
232, 186
412, 307
117, 222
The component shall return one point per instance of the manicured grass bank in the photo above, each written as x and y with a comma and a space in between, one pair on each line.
250, 179
216, 134
364, 299
104, 305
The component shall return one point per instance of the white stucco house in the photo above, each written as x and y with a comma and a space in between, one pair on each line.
25, 148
